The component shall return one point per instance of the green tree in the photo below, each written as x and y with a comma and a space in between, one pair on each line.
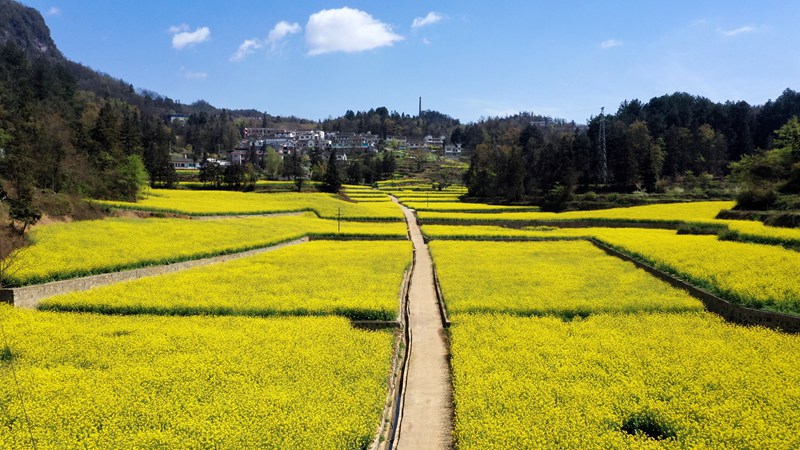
788, 137
355, 172
332, 181
132, 179
272, 164
388, 164
294, 169
766, 173
646, 156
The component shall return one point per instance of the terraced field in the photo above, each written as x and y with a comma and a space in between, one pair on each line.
67, 250
557, 345
554, 343
95, 381
358, 280
224, 203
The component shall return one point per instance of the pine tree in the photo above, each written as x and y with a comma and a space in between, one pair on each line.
332, 182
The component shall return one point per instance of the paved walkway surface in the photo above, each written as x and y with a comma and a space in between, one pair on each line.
427, 417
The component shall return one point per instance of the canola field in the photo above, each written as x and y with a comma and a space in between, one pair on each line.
420, 204
211, 203
701, 213
554, 344
667, 212
609, 358
427, 197
68, 250
753, 275
355, 279
565, 278
691, 380
91, 381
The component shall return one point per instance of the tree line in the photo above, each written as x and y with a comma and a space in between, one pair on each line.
526, 156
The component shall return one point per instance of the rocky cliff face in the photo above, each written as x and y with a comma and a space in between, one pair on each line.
25, 27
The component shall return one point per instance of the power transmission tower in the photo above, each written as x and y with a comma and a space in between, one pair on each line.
602, 142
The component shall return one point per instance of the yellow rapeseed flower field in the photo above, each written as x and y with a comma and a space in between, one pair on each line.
756, 275
356, 279
233, 203
667, 212
690, 378
759, 230
565, 278
490, 232
66, 250
106, 382
421, 204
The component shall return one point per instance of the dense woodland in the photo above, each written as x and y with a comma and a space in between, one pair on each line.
647, 145
65, 128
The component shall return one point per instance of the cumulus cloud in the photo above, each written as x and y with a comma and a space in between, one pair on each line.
281, 30
54, 11
610, 43
278, 33
182, 37
346, 30
740, 30
430, 19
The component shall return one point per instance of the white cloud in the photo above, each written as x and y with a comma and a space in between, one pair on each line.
175, 29
430, 19
346, 30
426, 41
610, 43
281, 30
54, 11
740, 30
182, 37
248, 47
278, 33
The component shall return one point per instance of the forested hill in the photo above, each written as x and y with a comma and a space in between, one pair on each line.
647, 146
69, 129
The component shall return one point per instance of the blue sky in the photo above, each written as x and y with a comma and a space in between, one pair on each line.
468, 59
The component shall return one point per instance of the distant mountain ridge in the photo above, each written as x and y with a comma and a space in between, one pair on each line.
25, 28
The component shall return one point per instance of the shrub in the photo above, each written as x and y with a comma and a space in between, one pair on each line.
756, 199
556, 198
785, 220
701, 228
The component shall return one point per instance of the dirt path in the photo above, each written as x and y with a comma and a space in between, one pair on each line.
427, 414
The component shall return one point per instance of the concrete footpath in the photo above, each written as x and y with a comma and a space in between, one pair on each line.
427, 415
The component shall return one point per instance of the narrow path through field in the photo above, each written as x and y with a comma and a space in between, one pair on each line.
427, 415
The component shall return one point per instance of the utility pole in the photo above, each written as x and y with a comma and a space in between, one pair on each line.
602, 142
